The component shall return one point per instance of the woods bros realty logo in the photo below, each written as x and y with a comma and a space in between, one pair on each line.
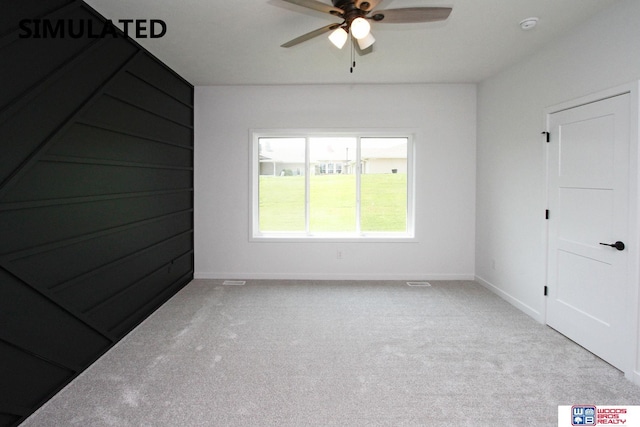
592, 415
79, 28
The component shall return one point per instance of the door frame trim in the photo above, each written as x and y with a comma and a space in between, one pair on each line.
632, 366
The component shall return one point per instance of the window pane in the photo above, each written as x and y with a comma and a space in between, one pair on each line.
332, 185
282, 186
383, 184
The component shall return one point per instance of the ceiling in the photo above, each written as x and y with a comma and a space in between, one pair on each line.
215, 42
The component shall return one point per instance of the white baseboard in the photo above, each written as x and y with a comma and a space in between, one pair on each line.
634, 377
511, 300
330, 276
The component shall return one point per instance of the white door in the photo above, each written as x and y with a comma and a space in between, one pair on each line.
588, 205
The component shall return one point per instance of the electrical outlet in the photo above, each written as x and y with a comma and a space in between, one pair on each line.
339, 254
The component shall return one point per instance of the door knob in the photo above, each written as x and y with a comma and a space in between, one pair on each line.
618, 245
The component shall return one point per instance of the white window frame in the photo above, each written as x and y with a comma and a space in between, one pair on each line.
257, 236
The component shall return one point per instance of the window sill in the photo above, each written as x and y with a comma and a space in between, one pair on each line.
330, 238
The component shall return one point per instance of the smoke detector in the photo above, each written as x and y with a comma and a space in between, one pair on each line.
529, 23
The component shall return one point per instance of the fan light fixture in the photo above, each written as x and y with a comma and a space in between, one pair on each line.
338, 37
360, 28
355, 23
366, 41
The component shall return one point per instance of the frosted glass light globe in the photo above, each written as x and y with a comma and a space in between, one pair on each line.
338, 38
366, 41
360, 28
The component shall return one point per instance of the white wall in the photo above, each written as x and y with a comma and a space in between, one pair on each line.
444, 117
511, 234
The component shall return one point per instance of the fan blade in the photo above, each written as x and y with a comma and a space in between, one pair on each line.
367, 5
310, 35
411, 15
316, 5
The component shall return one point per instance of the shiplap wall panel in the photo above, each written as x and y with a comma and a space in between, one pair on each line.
36, 121
26, 68
21, 370
131, 89
96, 198
65, 178
109, 145
54, 334
80, 219
53, 265
123, 311
14, 11
152, 72
87, 293
119, 115
7, 419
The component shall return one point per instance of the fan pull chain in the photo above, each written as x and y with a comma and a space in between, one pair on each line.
353, 55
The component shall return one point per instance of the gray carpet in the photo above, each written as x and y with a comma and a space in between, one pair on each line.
312, 353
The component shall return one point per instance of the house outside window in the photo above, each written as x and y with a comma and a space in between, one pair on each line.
332, 185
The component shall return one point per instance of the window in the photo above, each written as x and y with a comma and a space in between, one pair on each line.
321, 185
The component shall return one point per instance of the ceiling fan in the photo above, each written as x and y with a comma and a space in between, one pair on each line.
356, 15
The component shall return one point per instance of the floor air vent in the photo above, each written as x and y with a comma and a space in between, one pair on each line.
234, 282
423, 284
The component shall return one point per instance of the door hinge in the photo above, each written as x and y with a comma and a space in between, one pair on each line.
546, 214
548, 135
546, 291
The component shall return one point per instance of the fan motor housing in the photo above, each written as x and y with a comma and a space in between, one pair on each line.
351, 11
342, 3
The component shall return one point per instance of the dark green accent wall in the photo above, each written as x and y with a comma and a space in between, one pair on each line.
96, 198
